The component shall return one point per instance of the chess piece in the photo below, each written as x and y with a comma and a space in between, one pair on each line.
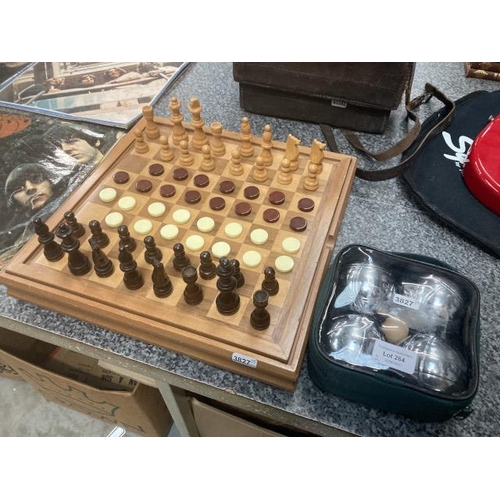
217, 146
181, 260
132, 278
316, 155
311, 182
207, 269
259, 172
51, 249
103, 265
284, 175
162, 286
78, 262
100, 237
270, 284
152, 130
152, 252
227, 301
260, 318
238, 275
76, 228
166, 154
126, 239
267, 145
141, 146
193, 293
235, 166
185, 158
246, 147
292, 152
178, 131
208, 163
199, 137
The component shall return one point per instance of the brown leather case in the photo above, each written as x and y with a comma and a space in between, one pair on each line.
351, 95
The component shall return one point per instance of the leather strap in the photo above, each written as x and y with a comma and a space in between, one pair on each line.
403, 144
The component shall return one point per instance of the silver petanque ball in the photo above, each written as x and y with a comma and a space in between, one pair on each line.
440, 366
368, 288
437, 299
351, 338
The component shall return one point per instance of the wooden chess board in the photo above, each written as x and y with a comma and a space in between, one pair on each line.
273, 355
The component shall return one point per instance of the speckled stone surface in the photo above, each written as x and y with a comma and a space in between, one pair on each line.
381, 215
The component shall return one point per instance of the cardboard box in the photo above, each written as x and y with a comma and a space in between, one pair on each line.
143, 379
138, 408
214, 422
21, 346
87, 370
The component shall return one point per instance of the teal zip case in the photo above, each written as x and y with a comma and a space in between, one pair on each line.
397, 332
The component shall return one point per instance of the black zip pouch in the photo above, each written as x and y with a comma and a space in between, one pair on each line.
397, 332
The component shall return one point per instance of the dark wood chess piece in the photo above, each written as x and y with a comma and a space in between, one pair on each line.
227, 301
152, 252
126, 240
103, 265
132, 277
77, 229
100, 237
260, 318
51, 249
207, 269
193, 293
78, 262
270, 284
162, 286
238, 275
181, 260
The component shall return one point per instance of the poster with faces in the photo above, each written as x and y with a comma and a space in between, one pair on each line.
107, 93
42, 160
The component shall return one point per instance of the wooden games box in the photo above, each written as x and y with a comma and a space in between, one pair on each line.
153, 156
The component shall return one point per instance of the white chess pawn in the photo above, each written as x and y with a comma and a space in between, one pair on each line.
141, 146
284, 174
311, 182
259, 173
235, 166
208, 163
166, 154
186, 158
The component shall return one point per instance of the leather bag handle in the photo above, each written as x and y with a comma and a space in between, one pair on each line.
402, 145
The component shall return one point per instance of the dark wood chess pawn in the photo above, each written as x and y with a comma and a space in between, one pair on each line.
238, 275
193, 293
100, 237
162, 286
207, 269
227, 301
181, 260
51, 249
132, 277
152, 252
126, 239
103, 265
260, 318
76, 227
78, 262
270, 284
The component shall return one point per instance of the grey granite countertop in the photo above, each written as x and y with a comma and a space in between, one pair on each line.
381, 215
